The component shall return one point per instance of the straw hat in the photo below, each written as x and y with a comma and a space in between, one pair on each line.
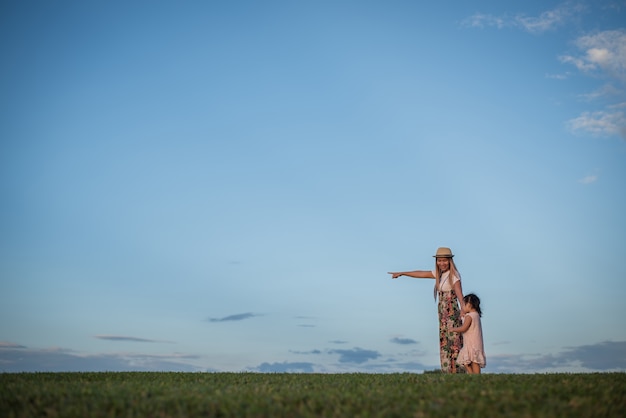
443, 252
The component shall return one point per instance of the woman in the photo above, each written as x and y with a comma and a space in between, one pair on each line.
448, 289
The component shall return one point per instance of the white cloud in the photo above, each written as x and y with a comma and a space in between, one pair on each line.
481, 20
607, 90
563, 76
600, 123
580, 63
548, 20
603, 52
588, 179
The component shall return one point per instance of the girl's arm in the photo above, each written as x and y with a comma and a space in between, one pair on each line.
466, 324
417, 274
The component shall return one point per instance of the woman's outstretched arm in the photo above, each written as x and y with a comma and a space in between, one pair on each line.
417, 274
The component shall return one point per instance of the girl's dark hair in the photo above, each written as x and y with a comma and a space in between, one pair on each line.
474, 301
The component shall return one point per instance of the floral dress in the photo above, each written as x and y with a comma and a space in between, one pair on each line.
450, 343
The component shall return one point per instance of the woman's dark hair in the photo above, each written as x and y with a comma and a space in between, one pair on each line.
474, 301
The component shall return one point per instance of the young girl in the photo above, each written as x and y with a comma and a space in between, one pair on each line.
472, 355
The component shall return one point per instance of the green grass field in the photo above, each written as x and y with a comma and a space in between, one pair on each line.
311, 395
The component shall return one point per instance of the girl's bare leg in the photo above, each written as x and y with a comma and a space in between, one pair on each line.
475, 368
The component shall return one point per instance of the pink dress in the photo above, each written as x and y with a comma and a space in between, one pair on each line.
473, 350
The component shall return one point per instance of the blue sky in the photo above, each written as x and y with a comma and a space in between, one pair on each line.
223, 186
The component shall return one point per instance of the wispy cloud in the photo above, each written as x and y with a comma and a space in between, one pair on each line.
316, 351
602, 55
588, 179
604, 356
546, 21
599, 55
14, 360
355, 355
482, 20
131, 339
235, 317
603, 52
286, 367
308, 319
608, 91
563, 76
607, 355
6, 344
550, 19
600, 123
402, 341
